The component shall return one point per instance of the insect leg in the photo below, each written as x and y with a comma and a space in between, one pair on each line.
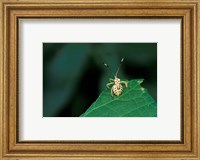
108, 84
124, 82
111, 92
111, 80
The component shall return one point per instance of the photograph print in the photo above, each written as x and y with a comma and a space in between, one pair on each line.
99, 79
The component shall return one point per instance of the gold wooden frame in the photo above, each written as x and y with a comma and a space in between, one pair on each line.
12, 11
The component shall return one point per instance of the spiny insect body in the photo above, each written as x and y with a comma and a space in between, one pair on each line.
117, 87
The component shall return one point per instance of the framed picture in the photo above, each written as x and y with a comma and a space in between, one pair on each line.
99, 79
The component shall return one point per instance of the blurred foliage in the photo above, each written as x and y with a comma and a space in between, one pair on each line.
74, 76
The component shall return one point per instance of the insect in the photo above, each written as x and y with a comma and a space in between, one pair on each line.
116, 83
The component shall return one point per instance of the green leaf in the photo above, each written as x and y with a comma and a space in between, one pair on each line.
133, 102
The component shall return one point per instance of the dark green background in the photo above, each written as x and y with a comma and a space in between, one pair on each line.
74, 74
